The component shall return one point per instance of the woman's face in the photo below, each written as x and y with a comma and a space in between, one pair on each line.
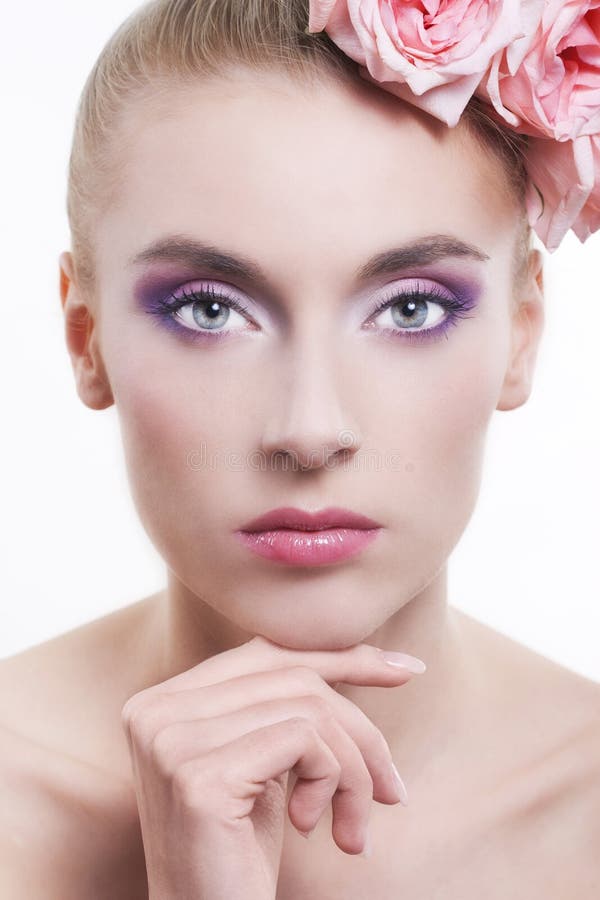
308, 187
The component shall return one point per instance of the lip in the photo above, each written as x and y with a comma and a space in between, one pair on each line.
290, 517
300, 538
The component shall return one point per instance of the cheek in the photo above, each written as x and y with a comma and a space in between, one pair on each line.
178, 430
170, 398
437, 419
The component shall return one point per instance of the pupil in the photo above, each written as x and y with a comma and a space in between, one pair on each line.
410, 313
213, 309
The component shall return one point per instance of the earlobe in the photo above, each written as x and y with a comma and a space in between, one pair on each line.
91, 378
527, 329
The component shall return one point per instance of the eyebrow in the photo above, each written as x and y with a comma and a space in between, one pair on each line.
198, 255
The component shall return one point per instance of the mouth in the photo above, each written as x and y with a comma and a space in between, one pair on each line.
302, 520
297, 537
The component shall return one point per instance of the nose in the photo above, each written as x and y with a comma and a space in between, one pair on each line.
310, 428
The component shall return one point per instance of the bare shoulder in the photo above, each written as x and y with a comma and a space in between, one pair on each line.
553, 804
66, 693
67, 832
553, 697
557, 708
38, 790
68, 811
563, 812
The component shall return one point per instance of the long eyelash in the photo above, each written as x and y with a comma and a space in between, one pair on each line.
172, 304
456, 309
166, 309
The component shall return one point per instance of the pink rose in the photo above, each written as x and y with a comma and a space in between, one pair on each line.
567, 175
431, 53
549, 83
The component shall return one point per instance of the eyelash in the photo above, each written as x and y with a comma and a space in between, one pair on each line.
166, 310
455, 308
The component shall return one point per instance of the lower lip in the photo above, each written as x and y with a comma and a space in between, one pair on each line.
308, 548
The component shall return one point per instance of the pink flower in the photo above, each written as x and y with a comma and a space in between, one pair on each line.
537, 62
567, 175
431, 53
547, 85
549, 82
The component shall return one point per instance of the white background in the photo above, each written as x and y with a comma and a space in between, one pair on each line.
73, 546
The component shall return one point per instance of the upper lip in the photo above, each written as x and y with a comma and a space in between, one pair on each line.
292, 517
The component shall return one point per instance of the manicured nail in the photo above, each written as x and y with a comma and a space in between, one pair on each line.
412, 663
401, 787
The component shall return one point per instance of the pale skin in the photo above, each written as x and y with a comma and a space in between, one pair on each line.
498, 747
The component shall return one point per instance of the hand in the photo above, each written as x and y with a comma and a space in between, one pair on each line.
212, 749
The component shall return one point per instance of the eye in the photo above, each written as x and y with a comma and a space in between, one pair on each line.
204, 312
419, 310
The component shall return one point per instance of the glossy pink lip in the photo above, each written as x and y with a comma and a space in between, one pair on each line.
301, 520
299, 538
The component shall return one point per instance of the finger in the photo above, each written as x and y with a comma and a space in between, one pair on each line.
254, 758
360, 664
181, 741
208, 702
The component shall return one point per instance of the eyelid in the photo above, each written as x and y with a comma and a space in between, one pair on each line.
206, 284
394, 292
418, 283
253, 307
265, 304
461, 295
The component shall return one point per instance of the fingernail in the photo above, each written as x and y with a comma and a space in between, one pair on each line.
401, 787
412, 663
368, 849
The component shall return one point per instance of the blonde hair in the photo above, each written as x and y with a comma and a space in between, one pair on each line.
167, 41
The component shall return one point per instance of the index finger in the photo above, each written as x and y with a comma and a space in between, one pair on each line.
361, 664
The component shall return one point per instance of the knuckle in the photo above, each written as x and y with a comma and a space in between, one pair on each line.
162, 749
142, 722
125, 716
127, 711
132, 705
136, 725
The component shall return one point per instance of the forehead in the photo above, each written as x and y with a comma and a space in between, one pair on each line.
284, 174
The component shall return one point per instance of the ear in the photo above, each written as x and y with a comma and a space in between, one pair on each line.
91, 379
527, 326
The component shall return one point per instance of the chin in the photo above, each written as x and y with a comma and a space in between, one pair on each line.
313, 636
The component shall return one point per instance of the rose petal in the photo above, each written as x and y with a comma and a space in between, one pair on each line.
564, 173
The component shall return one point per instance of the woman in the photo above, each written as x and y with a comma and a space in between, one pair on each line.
300, 292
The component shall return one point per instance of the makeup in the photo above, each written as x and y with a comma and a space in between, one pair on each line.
421, 309
412, 304
308, 548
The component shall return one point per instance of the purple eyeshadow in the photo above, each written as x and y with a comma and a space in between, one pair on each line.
150, 290
156, 293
